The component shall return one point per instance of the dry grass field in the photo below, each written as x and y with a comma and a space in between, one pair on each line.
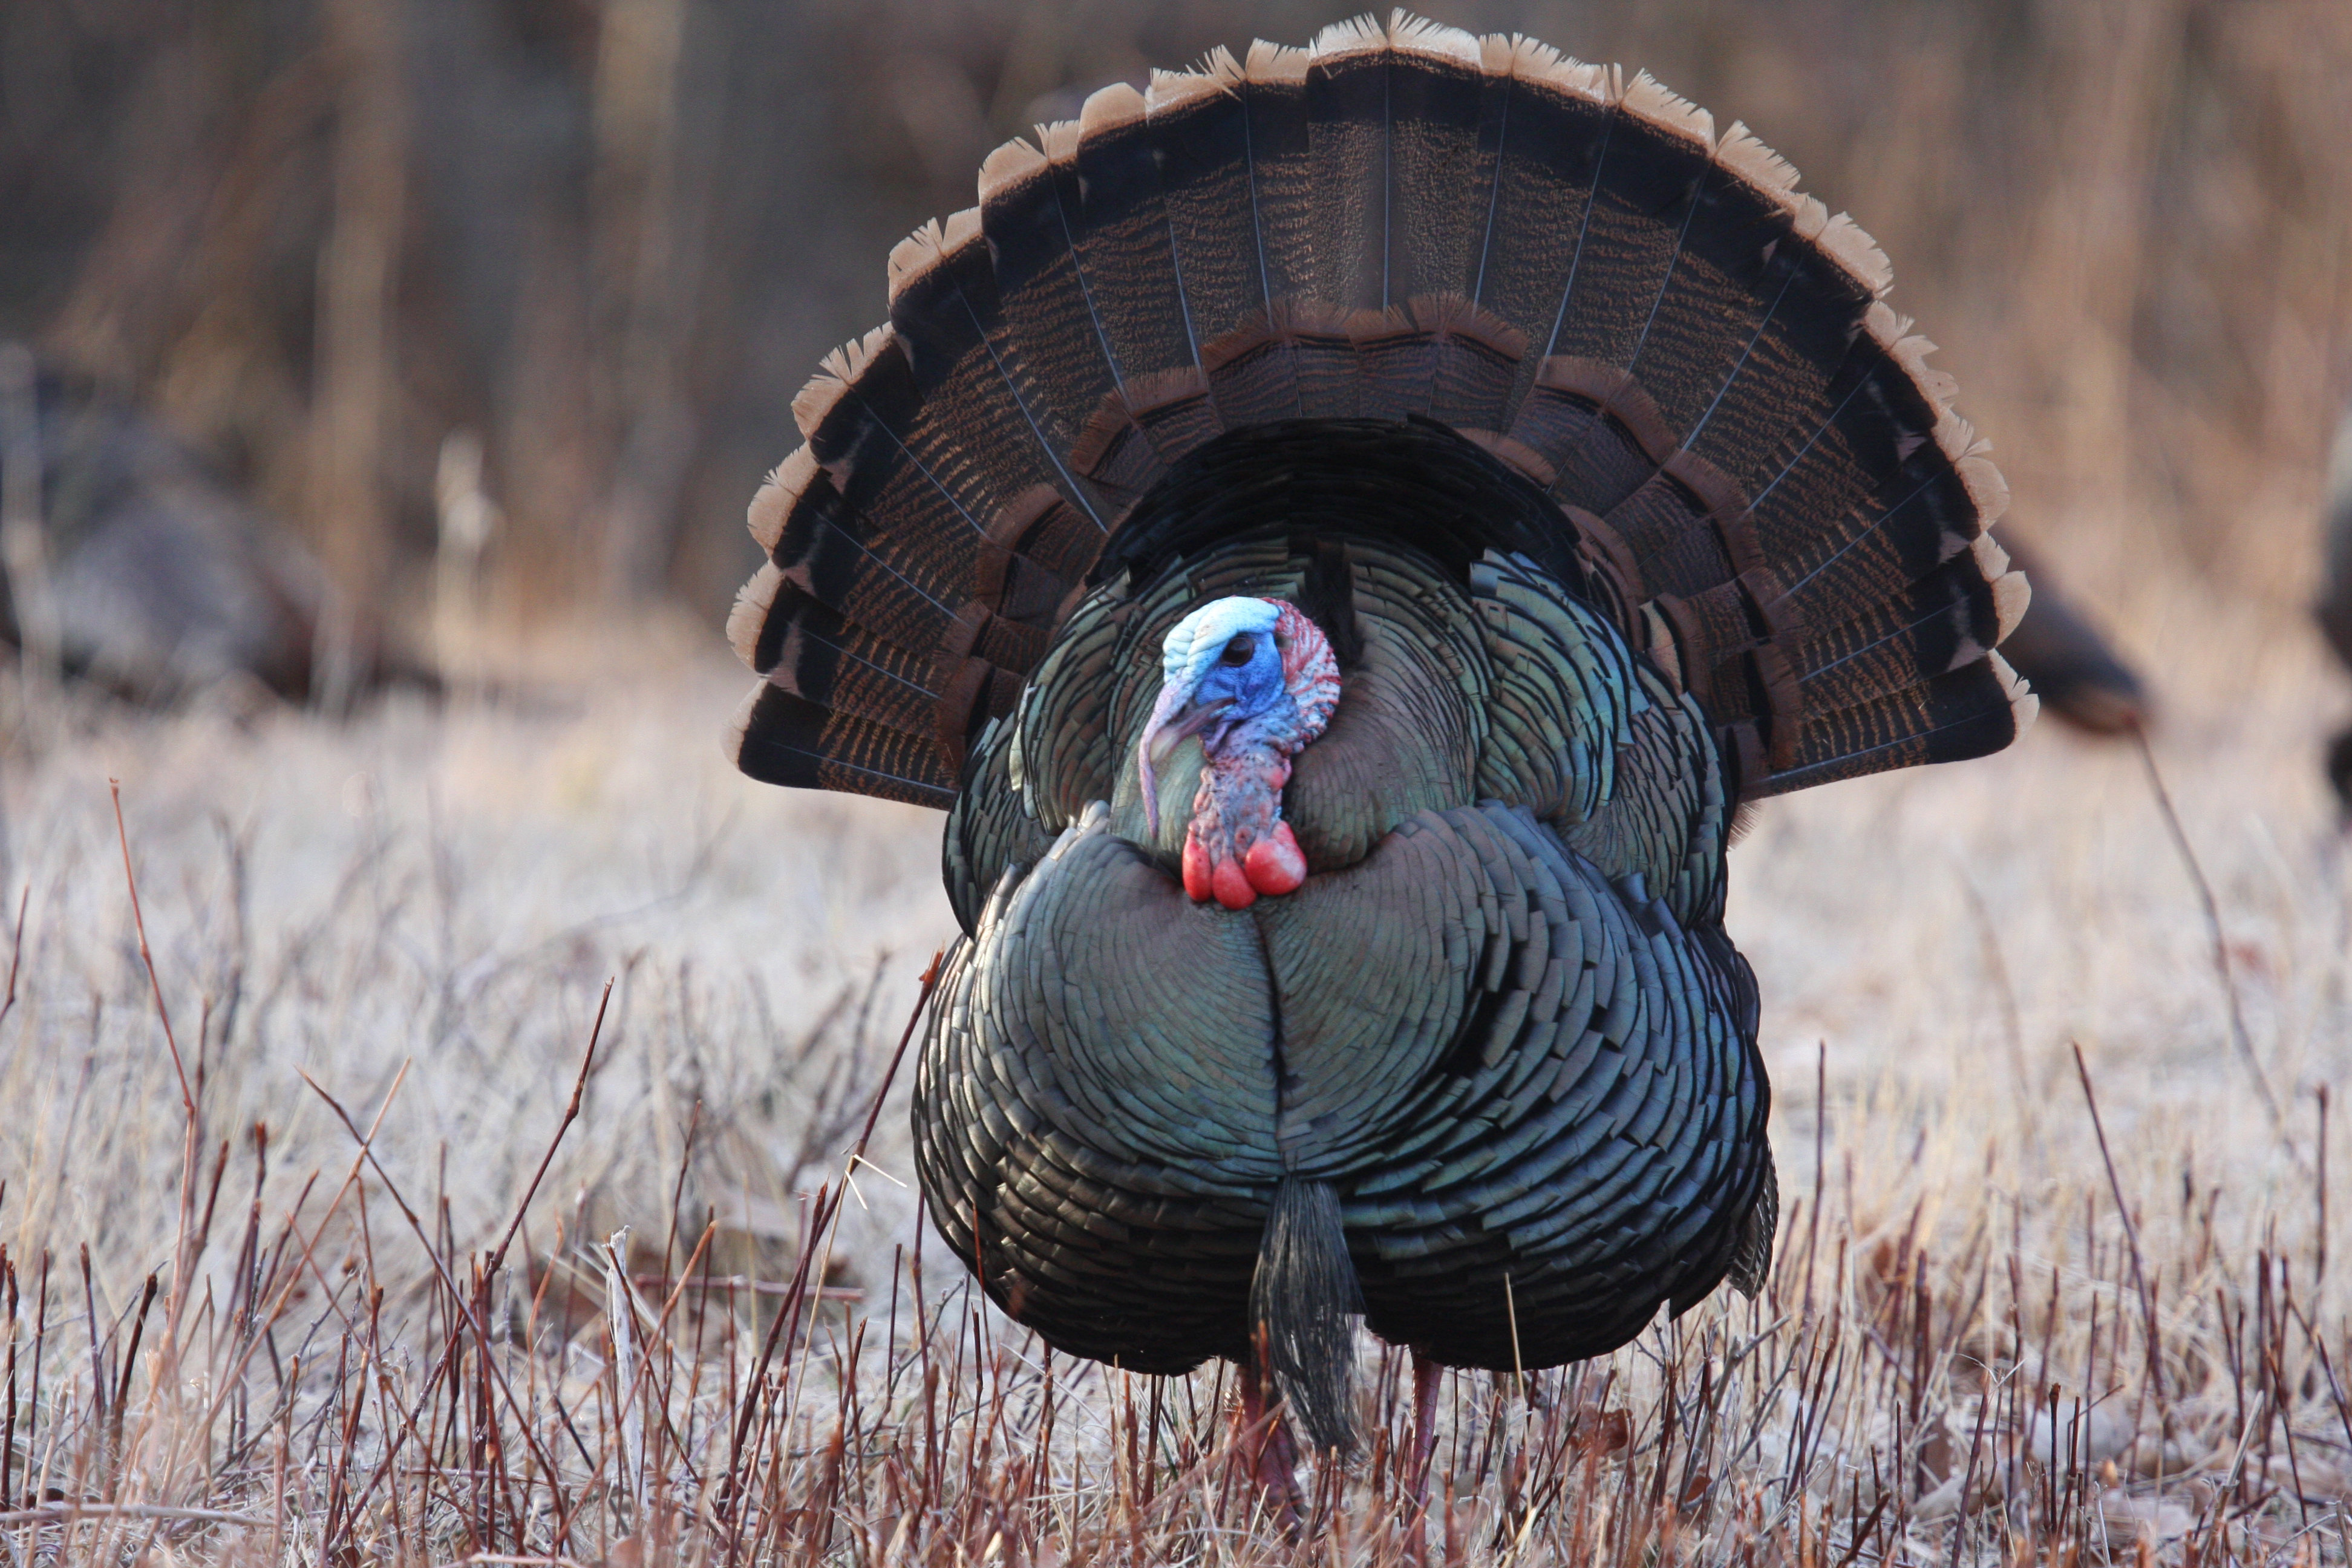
286, 1283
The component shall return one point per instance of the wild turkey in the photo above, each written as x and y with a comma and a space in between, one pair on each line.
2059, 651
155, 578
2334, 610
1340, 533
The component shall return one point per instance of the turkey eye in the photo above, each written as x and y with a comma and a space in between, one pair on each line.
1238, 651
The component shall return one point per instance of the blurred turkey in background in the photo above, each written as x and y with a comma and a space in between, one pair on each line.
364, 325
2333, 609
2060, 651
130, 564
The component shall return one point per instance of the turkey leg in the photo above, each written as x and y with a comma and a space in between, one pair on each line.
1266, 1449
1425, 1375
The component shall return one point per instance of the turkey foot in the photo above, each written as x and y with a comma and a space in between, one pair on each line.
1266, 1450
1425, 1375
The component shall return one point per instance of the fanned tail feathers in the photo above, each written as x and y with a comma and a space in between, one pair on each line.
1572, 269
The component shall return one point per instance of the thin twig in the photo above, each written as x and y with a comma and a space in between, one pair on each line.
16, 952
570, 1114
2131, 1231
746, 1283
2013, 1027
929, 983
183, 1257
55, 1512
2238, 1034
139, 919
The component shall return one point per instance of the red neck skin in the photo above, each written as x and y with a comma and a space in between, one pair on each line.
1237, 846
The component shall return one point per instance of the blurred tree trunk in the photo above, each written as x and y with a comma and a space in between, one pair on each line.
356, 340
648, 250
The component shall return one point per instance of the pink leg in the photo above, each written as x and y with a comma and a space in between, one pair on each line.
1267, 1451
1426, 1376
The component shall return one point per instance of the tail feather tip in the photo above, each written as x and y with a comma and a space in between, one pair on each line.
1302, 1299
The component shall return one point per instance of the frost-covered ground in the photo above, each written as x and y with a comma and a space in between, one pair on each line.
417, 911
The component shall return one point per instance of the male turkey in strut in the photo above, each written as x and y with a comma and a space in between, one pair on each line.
1340, 533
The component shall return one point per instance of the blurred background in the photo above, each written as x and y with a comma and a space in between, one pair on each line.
499, 306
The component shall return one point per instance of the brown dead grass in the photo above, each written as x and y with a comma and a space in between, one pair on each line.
1968, 1351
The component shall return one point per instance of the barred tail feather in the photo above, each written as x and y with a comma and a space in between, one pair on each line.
1568, 271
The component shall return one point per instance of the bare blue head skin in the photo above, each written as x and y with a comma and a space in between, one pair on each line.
1221, 670
1255, 681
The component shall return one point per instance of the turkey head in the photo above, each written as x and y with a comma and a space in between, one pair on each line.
1256, 681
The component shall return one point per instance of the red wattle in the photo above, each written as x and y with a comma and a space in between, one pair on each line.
1273, 864
1196, 868
1232, 886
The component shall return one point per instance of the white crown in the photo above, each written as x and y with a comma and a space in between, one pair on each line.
1195, 642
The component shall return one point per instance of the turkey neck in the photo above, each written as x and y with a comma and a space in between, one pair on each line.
1404, 737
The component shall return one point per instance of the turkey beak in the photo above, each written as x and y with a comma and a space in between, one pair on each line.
1176, 718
